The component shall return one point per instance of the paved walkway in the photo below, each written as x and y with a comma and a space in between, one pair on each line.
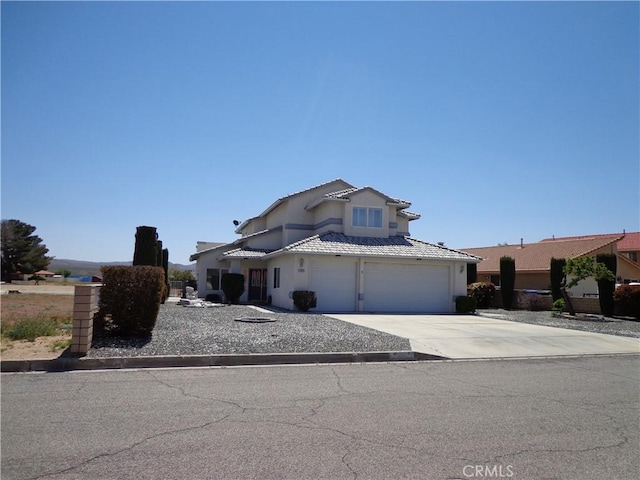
470, 336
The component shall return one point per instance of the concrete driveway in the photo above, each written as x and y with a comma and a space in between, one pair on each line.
470, 336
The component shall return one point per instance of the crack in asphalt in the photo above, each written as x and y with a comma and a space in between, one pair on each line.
564, 403
128, 448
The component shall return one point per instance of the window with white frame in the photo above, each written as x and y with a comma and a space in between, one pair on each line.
214, 276
367, 217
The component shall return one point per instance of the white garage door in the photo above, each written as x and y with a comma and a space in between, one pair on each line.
406, 288
335, 285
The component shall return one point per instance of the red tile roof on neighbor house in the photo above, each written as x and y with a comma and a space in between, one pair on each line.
630, 242
537, 256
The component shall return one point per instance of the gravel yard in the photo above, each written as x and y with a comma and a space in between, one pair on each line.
212, 331
598, 324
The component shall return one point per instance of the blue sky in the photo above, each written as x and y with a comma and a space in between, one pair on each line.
497, 120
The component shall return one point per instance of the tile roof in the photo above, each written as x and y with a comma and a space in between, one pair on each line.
197, 255
408, 214
245, 253
332, 243
286, 197
630, 242
350, 191
537, 256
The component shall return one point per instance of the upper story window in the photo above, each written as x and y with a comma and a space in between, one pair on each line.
367, 217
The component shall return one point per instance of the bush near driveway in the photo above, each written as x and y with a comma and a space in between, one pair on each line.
131, 297
483, 292
627, 300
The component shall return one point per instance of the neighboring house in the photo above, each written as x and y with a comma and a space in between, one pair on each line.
349, 245
533, 260
44, 273
629, 258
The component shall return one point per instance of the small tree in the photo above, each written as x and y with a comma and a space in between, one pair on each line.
63, 272
557, 277
507, 281
579, 269
181, 275
585, 267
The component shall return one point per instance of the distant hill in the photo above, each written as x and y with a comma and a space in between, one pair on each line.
79, 267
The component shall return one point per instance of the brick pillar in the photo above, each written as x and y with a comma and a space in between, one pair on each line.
85, 306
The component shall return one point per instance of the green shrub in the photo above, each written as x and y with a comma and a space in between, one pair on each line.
627, 300
131, 297
465, 304
557, 275
233, 286
607, 286
30, 328
558, 306
507, 281
304, 300
482, 292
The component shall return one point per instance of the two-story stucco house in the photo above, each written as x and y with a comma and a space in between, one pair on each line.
349, 245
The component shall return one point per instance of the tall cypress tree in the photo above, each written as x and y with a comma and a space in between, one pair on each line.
557, 275
606, 288
472, 273
159, 253
145, 252
507, 281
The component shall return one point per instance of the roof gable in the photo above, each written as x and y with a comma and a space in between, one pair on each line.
348, 193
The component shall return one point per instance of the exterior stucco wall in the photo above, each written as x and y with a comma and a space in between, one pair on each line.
459, 287
280, 296
366, 199
403, 226
206, 261
255, 226
271, 240
276, 217
328, 218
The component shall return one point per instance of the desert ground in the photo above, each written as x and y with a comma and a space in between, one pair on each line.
47, 300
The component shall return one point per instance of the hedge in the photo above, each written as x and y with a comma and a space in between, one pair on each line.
130, 297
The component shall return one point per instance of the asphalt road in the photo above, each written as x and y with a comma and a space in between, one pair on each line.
555, 418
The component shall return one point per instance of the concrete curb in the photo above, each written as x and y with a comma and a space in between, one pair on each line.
231, 360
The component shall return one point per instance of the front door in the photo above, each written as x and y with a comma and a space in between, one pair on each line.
258, 285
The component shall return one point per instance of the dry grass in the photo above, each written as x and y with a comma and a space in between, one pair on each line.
26, 312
